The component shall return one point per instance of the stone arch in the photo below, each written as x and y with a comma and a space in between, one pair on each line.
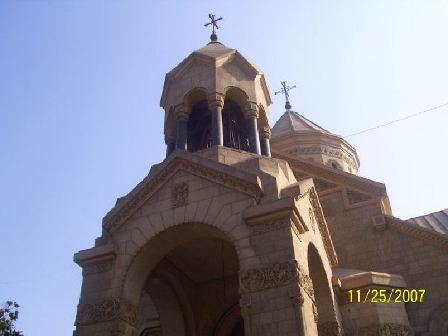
140, 273
194, 96
438, 322
323, 305
237, 95
158, 246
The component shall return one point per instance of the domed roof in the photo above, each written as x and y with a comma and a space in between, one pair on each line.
215, 50
292, 122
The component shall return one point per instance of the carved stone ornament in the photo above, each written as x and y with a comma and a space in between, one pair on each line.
179, 195
386, 329
98, 267
335, 153
278, 275
251, 110
323, 229
315, 313
106, 310
215, 99
276, 225
312, 218
330, 328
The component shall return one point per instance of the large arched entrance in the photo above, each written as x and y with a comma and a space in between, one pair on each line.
323, 306
192, 289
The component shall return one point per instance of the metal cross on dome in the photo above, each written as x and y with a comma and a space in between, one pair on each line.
285, 90
214, 24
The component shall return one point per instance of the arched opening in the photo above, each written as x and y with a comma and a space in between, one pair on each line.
190, 274
234, 126
324, 312
199, 127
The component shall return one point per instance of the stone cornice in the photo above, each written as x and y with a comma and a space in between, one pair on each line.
230, 177
315, 169
417, 232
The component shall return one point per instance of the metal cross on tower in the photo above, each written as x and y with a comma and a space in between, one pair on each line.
213, 22
285, 90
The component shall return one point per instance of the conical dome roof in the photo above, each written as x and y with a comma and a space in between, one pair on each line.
292, 122
296, 135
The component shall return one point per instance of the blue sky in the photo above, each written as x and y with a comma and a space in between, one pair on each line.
80, 122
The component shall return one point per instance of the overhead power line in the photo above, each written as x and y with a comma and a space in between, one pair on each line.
397, 120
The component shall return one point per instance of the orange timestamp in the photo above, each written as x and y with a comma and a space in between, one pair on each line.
374, 295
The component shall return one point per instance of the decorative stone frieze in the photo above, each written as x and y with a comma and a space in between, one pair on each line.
277, 275
296, 297
335, 153
386, 329
106, 310
179, 195
102, 266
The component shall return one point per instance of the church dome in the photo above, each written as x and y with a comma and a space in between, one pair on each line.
295, 134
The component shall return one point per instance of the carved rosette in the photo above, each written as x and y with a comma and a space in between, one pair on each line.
179, 195
106, 310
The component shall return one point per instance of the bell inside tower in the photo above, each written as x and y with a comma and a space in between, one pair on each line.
199, 134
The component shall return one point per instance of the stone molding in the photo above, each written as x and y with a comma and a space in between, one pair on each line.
323, 228
385, 329
151, 184
102, 266
106, 310
325, 150
433, 238
277, 275
313, 169
179, 195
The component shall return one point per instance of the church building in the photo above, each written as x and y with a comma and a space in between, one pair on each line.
248, 228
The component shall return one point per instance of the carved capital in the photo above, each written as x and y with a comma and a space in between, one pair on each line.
265, 133
181, 112
215, 99
170, 138
106, 310
251, 110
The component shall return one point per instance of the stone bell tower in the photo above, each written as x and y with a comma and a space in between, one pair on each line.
216, 97
219, 238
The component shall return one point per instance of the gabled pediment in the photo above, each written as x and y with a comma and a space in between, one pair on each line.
231, 177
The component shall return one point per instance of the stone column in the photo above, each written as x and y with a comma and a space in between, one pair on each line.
251, 114
265, 135
170, 141
215, 104
181, 127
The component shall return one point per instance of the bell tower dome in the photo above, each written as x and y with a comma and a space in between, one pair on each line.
216, 97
